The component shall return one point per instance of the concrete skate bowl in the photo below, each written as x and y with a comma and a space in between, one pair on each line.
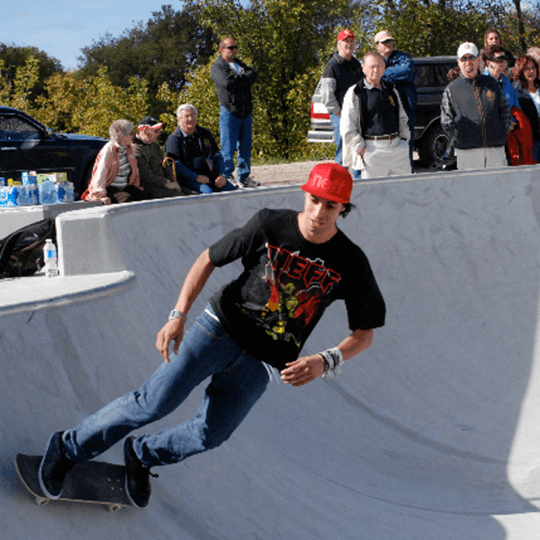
431, 434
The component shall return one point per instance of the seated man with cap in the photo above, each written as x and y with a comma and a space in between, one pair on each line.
157, 180
374, 124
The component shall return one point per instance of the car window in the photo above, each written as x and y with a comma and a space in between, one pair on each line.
430, 75
16, 128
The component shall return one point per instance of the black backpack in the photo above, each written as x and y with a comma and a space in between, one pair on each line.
21, 253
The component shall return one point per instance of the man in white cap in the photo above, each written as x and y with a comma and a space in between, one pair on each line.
475, 114
342, 71
400, 71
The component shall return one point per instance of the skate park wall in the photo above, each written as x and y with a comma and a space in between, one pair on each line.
432, 433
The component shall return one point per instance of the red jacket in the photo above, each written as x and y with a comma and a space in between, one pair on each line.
520, 141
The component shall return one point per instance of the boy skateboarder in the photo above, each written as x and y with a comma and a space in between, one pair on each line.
295, 265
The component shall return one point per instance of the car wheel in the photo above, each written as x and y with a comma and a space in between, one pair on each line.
436, 150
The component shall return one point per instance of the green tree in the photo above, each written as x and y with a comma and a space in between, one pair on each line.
89, 105
17, 89
282, 39
163, 49
430, 28
14, 58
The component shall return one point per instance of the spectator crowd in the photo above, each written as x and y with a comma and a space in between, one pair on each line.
490, 110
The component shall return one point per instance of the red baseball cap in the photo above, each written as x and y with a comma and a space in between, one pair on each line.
344, 34
330, 181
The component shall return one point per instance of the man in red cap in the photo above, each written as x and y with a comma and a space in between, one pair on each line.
342, 71
295, 265
157, 181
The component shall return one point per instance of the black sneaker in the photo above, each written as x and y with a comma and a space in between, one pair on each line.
137, 477
249, 183
54, 467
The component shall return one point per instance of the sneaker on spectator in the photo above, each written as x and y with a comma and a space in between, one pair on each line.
248, 183
232, 180
137, 477
54, 467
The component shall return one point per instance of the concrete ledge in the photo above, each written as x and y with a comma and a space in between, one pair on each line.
37, 292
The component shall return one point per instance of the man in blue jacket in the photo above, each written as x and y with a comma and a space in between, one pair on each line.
233, 80
400, 72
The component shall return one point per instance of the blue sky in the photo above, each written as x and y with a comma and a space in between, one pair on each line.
62, 27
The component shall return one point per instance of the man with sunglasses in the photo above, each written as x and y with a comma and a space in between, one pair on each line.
400, 72
496, 60
233, 80
475, 114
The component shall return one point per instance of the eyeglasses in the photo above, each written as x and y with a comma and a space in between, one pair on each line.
232, 47
468, 58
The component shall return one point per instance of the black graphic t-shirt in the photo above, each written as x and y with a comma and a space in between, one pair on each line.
272, 307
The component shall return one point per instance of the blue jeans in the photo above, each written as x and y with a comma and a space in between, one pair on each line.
235, 134
238, 381
536, 151
338, 157
199, 164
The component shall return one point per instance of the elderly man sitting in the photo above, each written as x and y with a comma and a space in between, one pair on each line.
198, 161
158, 181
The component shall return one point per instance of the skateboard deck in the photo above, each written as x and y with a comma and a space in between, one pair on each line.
94, 482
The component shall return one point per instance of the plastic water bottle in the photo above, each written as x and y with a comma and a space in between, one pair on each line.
47, 192
50, 257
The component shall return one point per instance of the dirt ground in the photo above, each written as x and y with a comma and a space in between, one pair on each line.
285, 173
294, 173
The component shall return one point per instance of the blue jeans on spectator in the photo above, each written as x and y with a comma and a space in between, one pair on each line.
200, 165
338, 157
235, 134
536, 151
238, 381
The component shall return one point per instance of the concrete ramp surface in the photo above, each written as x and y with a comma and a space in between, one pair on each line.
431, 434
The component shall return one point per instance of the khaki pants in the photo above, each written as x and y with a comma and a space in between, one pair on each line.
481, 158
386, 158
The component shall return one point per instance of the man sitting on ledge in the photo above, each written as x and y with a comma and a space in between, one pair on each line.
198, 161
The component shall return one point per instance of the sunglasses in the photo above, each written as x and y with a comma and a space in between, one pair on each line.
385, 41
499, 59
232, 47
468, 58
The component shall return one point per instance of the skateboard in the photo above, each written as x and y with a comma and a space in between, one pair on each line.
94, 482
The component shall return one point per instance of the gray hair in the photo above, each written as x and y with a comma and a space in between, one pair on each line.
120, 128
185, 107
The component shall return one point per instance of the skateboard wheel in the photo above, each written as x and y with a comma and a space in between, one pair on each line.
114, 507
42, 501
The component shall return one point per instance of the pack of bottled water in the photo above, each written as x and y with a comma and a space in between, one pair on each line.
31, 190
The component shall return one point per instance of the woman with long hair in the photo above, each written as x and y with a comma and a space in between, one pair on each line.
527, 85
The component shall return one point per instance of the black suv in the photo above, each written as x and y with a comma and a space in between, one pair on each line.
431, 142
28, 145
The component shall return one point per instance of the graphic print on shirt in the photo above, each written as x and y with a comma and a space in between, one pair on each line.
299, 289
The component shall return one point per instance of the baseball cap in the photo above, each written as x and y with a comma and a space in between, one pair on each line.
330, 181
149, 122
345, 34
384, 35
467, 48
